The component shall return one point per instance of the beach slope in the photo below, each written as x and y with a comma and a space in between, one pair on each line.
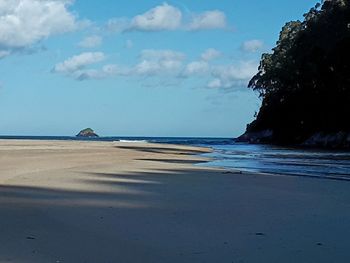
93, 202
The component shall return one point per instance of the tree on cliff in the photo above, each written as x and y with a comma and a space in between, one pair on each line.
305, 82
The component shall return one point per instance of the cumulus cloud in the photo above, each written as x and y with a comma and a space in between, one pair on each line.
158, 61
90, 42
195, 68
244, 70
162, 17
151, 63
4, 53
202, 66
117, 25
226, 77
73, 66
161, 65
252, 45
167, 54
144, 68
166, 17
106, 71
77, 67
231, 76
215, 84
214, 19
26, 22
210, 54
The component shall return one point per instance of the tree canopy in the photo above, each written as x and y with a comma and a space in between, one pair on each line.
305, 82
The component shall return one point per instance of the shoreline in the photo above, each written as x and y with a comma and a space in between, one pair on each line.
78, 201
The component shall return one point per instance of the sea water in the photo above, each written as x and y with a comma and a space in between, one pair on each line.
282, 160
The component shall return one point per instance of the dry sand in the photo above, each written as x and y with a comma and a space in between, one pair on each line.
105, 202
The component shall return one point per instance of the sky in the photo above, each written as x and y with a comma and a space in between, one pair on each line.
135, 68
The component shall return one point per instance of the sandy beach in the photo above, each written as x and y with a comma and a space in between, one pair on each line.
112, 202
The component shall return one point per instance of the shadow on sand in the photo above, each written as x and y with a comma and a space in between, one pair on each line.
164, 150
175, 216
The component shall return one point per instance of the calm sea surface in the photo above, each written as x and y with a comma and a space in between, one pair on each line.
252, 158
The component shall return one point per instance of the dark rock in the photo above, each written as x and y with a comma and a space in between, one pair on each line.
329, 140
256, 137
334, 140
87, 133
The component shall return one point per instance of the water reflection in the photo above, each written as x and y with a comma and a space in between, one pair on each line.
280, 160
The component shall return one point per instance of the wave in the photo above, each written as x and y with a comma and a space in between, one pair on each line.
133, 141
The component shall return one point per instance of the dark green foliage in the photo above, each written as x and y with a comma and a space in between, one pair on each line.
305, 83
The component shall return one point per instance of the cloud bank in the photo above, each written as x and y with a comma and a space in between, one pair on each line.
25, 23
166, 64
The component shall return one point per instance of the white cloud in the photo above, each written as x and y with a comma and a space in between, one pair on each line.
73, 65
215, 84
158, 61
231, 76
195, 68
167, 54
151, 63
214, 19
117, 25
162, 17
166, 17
252, 45
210, 54
4, 53
160, 65
90, 42
26, 22
106, 71
202, 66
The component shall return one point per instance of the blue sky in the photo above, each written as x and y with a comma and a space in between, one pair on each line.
134, 68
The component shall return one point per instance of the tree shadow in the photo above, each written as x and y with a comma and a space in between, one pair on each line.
171, 215
174, 161
181, 151
39, 224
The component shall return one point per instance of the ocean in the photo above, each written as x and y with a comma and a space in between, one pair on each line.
330, 164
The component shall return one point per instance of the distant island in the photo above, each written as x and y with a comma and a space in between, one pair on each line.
87, 133
305, 83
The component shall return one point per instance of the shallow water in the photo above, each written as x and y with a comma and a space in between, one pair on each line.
280, 160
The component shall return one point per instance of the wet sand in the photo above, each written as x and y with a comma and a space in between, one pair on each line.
132, 202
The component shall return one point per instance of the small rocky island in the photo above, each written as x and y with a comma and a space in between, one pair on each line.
87, 133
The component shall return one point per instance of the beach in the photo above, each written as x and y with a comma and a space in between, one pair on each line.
107, 202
